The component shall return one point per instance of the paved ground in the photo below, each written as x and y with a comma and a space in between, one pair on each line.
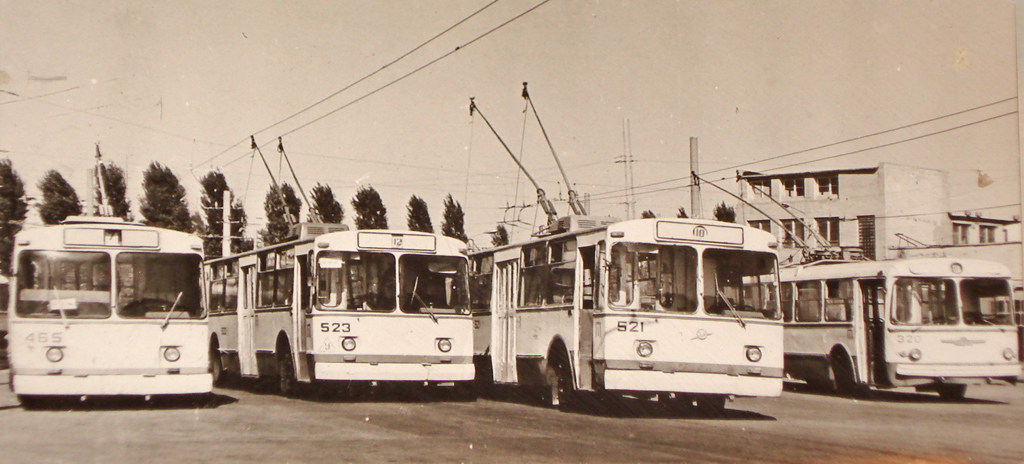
251, 424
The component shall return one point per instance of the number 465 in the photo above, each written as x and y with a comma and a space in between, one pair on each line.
43, 337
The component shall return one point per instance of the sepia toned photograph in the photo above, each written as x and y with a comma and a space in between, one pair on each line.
608, 231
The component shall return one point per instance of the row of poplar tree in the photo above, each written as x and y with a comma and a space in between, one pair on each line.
164, 204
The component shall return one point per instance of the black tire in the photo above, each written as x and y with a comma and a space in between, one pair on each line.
217, 367
558, 388
952, 391
32, 402
286, 383
464, 391
844, 380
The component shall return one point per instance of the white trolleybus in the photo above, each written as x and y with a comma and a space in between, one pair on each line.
935, 324
355, 306
682, 310
100, 306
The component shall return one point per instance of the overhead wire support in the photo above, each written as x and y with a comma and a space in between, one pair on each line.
542, 198
814, 234
574, 201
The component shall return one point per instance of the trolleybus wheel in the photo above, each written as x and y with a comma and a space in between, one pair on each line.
31, 402
558, 389
216, 367
285, 372
843, 379
952, 391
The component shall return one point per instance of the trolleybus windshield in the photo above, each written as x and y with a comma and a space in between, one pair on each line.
71, 284
653, 278
361, 281
925, 301
158, 286
740, 284
986, 301
435, 284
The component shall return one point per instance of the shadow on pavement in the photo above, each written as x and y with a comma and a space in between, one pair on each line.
885, 396
118, 403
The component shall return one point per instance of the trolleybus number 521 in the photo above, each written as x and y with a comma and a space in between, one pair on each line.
630, 326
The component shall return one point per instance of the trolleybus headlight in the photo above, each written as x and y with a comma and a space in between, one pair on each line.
444, 344
172, 354
644, 349
915, 354
348, 343
1008, 354
753, 354
54, 354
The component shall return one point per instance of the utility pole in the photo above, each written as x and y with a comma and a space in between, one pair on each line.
225, 243
695, 211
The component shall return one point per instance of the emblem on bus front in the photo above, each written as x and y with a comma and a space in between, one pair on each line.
396, 241
701, 334
963, 341
700, 232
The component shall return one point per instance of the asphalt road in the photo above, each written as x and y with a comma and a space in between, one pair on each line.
248, 423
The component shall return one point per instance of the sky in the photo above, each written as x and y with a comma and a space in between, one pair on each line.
770, 86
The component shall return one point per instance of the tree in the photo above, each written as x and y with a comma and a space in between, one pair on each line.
419, 217
59, 198
114, 184
648, 214
326, 205
163, 203
682, 213
369, 209
500, 236
453, 223
280, 216
13, 209
214, 184
725, 213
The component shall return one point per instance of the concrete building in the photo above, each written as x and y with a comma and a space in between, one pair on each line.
885, 212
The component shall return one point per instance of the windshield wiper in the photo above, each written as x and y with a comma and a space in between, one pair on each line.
416, 296
735, 314
167, 319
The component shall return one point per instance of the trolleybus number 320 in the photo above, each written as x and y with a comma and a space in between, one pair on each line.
335, 327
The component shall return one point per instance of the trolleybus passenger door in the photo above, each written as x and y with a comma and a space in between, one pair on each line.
503, 328
301, 308
588, 303
246, 323
873, 304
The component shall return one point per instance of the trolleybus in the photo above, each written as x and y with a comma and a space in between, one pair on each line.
100, 306
681, 310
936, 324
344, 307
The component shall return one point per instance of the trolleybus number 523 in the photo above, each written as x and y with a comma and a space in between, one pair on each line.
335, 327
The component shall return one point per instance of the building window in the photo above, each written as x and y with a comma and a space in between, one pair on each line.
829, 229
764, 225
988, 234
960, 234
762, 188
794, 187
828, 185
797, 229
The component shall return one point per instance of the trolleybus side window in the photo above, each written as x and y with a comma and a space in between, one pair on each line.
78, 282
838, 300
737, 281
650, 277
924, 301
224, 287
986, 302
355, 281
548, 275
433, 284
808, 301
159, 285
480, 282
274, 280
786, 297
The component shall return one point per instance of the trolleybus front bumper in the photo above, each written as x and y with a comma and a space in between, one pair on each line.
705, 379
918, 374
134, 383
405, 368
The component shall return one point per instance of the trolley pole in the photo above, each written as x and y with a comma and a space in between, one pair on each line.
694, 180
